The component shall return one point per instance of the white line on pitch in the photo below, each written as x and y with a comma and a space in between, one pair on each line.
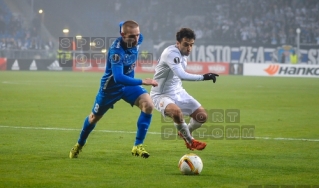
68, 129
133, 132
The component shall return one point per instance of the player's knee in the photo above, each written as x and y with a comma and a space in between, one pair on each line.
148, 107
201, 117
177, 115
94, 118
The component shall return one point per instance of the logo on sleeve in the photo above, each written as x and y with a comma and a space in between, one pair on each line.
176, 60
116, 58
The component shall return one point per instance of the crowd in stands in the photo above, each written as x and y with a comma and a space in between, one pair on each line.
16, 34
269, 22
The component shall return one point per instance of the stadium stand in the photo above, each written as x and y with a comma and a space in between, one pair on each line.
271, 22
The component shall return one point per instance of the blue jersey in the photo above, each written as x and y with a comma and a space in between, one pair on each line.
120, 65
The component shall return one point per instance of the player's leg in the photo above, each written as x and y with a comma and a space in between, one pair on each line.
102, 103
198, 118
144, 102
138, 96
174, 111
192, 107
88, 125
166, 105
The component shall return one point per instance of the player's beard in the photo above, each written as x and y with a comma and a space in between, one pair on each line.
185, 53
129, 44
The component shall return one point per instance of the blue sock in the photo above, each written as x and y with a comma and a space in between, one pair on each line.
86, 130
143, 123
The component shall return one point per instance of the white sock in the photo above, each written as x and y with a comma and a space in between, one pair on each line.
193, 125
183, 128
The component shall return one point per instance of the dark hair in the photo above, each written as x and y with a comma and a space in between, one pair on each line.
185, 32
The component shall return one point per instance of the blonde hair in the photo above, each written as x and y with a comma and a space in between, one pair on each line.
129, 24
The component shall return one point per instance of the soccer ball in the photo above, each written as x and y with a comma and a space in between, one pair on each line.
190, 164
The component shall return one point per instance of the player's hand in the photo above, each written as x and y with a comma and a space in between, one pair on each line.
149, 81
210, 76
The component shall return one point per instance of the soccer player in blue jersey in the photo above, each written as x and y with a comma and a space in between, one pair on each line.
117, 83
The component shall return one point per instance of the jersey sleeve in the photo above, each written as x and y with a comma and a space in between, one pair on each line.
117, 69
173, 60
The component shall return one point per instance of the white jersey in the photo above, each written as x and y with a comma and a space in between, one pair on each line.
170, 71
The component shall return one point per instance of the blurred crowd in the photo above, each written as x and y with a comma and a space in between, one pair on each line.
246, 21
16, 34
263, 22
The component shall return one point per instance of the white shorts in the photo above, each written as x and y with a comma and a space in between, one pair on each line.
182, 99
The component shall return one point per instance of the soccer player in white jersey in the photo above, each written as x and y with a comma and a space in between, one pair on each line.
170, 98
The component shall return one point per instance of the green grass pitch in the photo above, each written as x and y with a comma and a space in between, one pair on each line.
41, 114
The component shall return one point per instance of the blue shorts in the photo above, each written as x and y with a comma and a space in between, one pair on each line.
105, 101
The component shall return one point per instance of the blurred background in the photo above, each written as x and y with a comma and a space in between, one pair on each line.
31, 28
